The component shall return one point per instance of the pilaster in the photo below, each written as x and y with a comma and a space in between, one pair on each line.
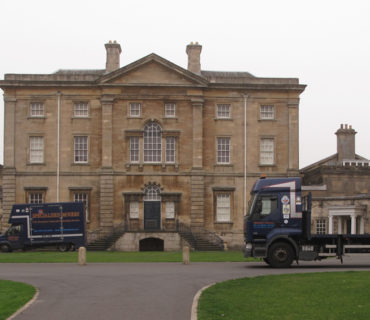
107, 130
9, 187
293, 160
9, 128
197, 132
197, 201
106, 177
106, 199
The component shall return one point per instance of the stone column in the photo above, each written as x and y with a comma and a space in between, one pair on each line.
293, 147
340, 225
362, 225
330, 224
106, 177
353, 224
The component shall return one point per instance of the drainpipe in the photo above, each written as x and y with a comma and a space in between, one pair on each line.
59, 96
245, 97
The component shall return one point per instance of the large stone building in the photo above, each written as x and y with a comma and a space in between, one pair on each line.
340, 186
153, 149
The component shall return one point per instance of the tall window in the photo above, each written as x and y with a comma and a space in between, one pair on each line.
36, 149
223, 207
267, 150
84, 198
267, 112
223, 111
80, 149
37, 109
321, 226
170, 110
152, 142
135, 109
170, 149
81, 109
134, 149
223, 150
35, 197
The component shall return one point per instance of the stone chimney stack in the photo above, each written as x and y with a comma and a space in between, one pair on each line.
346, 143
113, 53
193, 51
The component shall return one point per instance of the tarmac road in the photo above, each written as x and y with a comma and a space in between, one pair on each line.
162, 291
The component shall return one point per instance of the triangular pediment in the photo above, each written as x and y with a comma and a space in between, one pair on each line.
153, 70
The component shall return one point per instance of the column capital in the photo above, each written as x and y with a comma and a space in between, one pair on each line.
107, 99
197, 102
8, 98
293, 103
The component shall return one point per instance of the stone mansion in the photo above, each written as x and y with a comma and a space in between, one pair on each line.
154, 150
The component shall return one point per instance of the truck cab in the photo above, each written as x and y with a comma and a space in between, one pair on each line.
273, 223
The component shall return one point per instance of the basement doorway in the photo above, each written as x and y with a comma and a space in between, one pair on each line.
151, 244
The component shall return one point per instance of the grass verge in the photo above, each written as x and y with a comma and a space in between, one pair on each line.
329, 296
114, 256
13, 295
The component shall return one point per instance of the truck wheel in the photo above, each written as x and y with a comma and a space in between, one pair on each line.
64, 247
5, 248
280, 255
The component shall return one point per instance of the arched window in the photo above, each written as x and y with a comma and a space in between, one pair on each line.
152, 142
152, 193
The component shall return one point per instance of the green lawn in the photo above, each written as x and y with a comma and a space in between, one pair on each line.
13, 295
114, 256
327, 296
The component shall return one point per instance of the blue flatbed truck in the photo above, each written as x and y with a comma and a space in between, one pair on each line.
277, 227
46, 224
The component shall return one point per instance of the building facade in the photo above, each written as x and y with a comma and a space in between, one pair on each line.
151, 148
340, 186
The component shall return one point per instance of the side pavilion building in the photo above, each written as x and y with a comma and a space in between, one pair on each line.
159, 154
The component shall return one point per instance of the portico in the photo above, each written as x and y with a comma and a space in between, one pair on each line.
348, 218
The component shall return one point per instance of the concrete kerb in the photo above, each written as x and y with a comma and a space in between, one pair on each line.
26, 306
194, 307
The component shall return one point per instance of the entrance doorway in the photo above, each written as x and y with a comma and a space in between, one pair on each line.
152, 215
152, 208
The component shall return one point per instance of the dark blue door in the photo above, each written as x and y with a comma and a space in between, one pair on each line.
152, 215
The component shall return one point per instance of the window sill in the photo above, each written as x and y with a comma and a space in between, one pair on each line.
76, 117
223, 165
224, 119
267, 120
36, 117
80, 164
267, 165
224, 222
36, 164
140, 165
134, 117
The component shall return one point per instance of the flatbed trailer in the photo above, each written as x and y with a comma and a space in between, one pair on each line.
278, 227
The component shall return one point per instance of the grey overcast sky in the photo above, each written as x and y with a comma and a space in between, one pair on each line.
324, 43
